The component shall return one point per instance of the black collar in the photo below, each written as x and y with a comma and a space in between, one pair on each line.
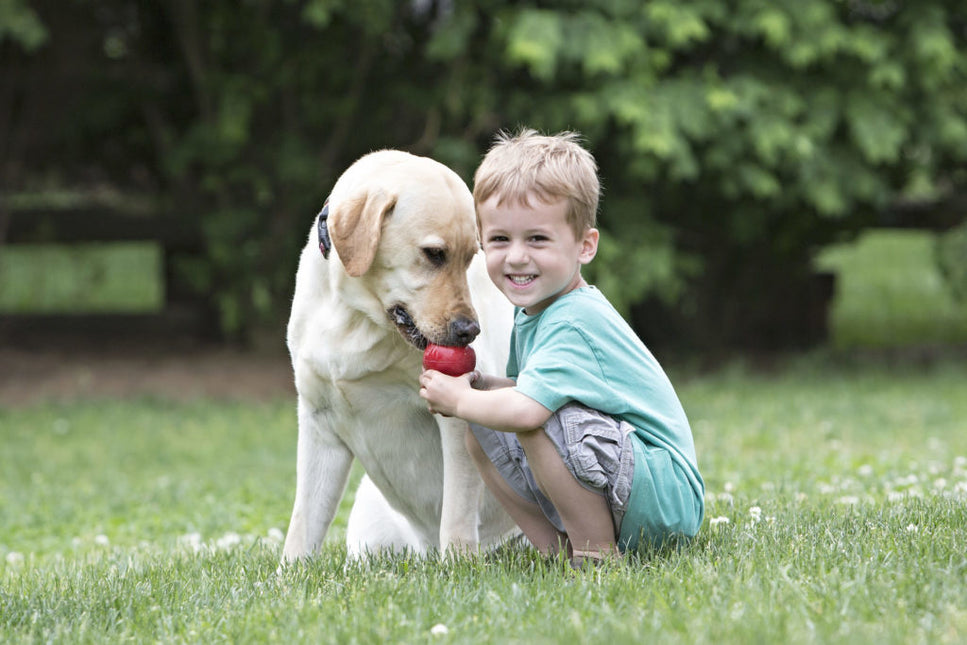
322, 226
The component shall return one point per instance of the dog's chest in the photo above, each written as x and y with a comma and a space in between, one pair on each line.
389, 429
371, 399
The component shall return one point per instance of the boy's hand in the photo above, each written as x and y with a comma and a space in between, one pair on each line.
442, 392
483, 399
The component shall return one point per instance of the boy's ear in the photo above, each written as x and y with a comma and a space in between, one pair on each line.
589, 246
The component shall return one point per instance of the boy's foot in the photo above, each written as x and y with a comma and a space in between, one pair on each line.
591, 559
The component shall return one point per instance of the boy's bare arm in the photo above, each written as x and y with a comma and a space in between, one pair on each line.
481, 381
501, 408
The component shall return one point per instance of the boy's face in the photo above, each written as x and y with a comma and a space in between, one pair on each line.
533, 255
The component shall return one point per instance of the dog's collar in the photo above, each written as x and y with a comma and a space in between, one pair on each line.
322, 226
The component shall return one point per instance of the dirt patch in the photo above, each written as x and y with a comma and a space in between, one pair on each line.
31, 375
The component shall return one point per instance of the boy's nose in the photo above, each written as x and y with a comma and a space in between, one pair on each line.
517, 254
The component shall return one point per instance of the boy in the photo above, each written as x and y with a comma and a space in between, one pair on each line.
585, 442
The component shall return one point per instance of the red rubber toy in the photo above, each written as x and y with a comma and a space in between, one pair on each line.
452, 361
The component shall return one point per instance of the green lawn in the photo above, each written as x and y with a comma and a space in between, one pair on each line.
891, 294
837, 511
82, 278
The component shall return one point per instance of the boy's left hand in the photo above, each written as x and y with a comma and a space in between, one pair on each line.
442, 392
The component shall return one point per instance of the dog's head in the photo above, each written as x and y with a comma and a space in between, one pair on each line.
404, 229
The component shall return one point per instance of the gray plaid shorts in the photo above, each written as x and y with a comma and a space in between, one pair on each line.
595, 448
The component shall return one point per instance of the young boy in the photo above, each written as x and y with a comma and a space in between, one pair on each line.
585, 442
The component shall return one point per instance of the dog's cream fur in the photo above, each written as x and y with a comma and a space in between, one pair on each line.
405, 268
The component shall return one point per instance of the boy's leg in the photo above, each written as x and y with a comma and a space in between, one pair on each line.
536, 527
585, 513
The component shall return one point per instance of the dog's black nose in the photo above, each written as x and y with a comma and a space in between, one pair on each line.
463, 330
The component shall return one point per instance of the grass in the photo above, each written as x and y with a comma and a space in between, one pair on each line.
890, 293
81, 278
837, 511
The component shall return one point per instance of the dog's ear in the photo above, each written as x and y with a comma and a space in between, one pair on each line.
355, 225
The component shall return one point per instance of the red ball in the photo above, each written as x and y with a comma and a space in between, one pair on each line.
453, 361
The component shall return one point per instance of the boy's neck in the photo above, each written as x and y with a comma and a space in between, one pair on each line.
547, 304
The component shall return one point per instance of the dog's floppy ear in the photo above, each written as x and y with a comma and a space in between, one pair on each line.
355, 225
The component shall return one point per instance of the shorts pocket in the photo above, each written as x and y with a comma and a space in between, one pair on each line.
593, 442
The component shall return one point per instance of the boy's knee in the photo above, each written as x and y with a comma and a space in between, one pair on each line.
528, 440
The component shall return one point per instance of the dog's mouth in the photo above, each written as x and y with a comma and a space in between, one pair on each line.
407, 328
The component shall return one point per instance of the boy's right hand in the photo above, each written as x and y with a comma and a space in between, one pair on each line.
442, 392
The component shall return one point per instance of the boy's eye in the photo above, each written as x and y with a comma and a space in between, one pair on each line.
436, 256
496, 239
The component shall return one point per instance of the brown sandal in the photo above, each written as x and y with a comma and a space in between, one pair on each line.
590, 559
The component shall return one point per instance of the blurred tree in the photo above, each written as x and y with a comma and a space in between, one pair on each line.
746, 134
735, 138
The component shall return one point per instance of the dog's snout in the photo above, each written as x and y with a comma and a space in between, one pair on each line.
463, 330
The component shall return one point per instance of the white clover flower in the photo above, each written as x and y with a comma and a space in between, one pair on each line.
756, 513
14, 558
726, 498
191, 541
439, 630
276, 535
715, 521
848, 500
940, 483
912, 528
101, 540
909, 480
228, 541
865, 470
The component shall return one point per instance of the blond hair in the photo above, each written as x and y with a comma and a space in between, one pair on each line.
548, 167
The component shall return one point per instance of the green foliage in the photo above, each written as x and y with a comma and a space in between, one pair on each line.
747, 135
758, 133
20, 23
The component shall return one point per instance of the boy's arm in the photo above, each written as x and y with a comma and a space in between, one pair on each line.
503, 408
481, 381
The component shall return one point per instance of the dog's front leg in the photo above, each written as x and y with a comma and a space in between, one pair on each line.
462, 490
322, 470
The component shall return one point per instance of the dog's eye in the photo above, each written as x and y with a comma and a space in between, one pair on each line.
436, 256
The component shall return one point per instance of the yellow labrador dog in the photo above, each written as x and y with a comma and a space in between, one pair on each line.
392, 263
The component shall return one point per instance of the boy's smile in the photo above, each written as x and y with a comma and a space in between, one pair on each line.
533, 255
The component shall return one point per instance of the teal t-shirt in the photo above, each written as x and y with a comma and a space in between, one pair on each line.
581, 349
